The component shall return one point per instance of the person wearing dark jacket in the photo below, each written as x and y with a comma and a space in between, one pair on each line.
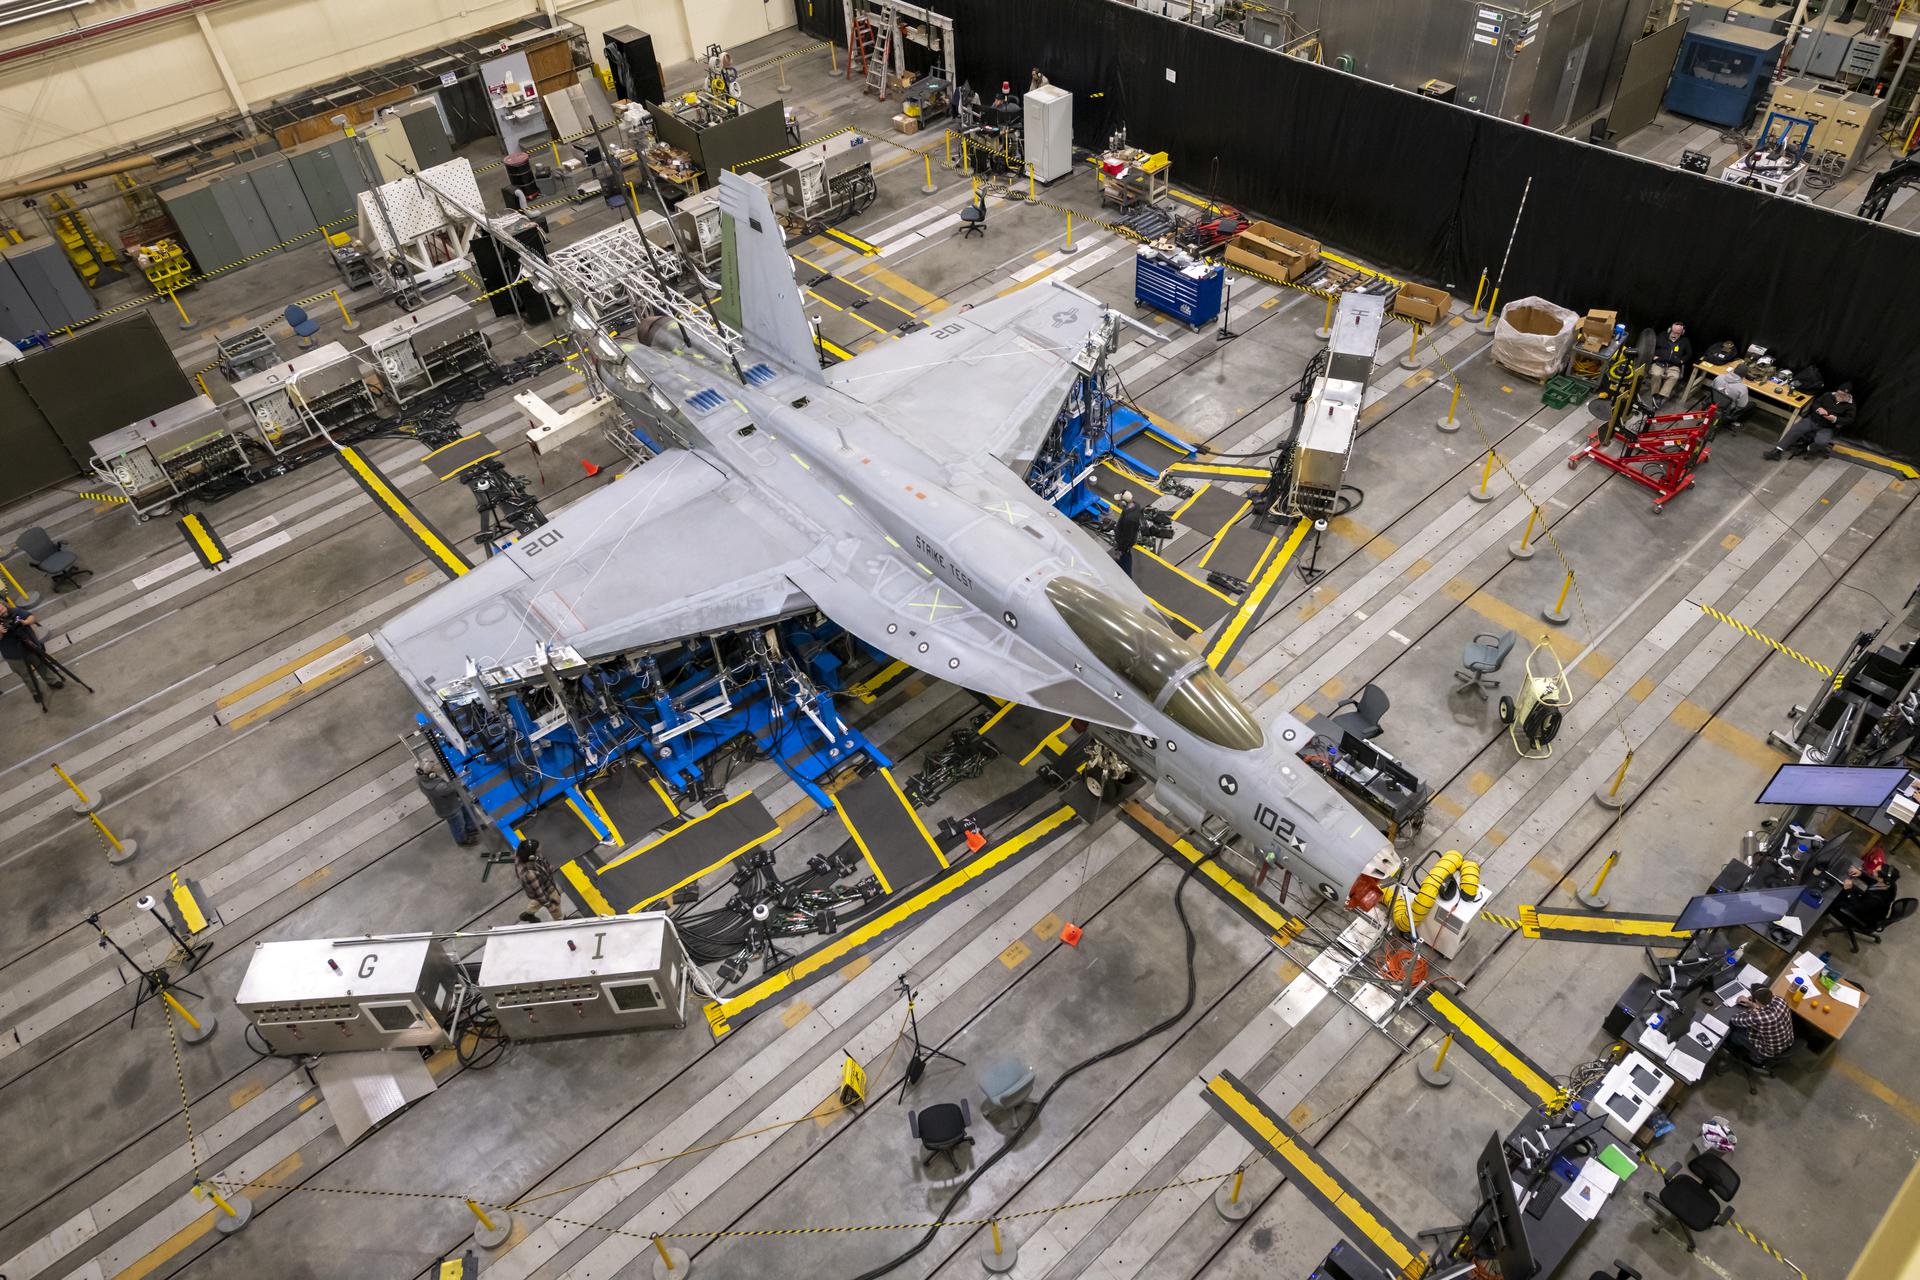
1672, 357
23, 650
1126, 531
448, 803
1831, 413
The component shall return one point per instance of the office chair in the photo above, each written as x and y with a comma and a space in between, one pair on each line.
1699, 1200
973, 218
1621, 1271
303, 325
1480, 657
1007, 1084
1754, 1069
51, 558
1858, 927
1363, 721
1598, 134
942, 1130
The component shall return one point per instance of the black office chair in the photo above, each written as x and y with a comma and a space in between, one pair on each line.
1480, 658
1599, 135
52, 558
1368, 706
942, 1130
973, 218
1858, 926
1755, 1069
1699, 1200
1621, 1271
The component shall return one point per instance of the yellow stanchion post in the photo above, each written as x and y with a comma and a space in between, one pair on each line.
1411, 360
999, 1256
833, 63
173, 296
669, 1262
948, 139
929, 188
1450, 421
229, 1213
1482, 493
1614, 795
1229, 1203
491, 1232
1558, 615
1325, 330
20, 596
118, 850
1592, 896
1033, 195
1523, 549
347, 322
633, 200
1479, 292
1493, 311
82, 802
1435, 1073
179, 1009
780, 65
964, 164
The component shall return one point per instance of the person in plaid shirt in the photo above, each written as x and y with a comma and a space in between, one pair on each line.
536, 881
1763, 1023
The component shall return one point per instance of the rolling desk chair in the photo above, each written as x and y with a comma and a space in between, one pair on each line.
1480, 658
303, 325
1368, 706
1700, 1199
1754, 1069
52, 558
1848, 917
1621, 1271
973, 218
942, 1130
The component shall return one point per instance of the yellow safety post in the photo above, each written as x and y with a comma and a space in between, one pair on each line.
229, 1215
1033, 196
1592, 896
1325, 330
833, 63
948, 137
1523, 549
1558, 615
927, 156
1450, 422
672, 1262
1611, 796
82, 802
1228, 1202
1479, 291
963, 157
118, 850
1435, 1073
1483, 494
173, 296
633, 201
346, 321
1411, 360
21, 596
1493, 309
492, 1232
179, 1009
780, 65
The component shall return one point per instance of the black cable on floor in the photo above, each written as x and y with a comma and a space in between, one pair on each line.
1186, 1007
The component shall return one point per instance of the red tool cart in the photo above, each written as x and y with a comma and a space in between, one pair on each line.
1661, 454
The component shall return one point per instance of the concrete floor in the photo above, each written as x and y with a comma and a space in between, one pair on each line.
301, 821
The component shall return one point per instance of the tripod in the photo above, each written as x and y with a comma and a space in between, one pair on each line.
191, 953
154, 982
921, 1055
37, 655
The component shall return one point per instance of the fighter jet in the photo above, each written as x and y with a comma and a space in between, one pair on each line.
887, 493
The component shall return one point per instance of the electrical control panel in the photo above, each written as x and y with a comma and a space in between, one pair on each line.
346, 995
585, 977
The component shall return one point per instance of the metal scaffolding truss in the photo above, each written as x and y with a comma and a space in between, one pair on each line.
611, 271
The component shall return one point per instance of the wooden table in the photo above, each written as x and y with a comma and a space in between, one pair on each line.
1813, 1013
1791, 403
687, 183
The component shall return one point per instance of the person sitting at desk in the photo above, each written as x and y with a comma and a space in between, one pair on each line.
1728, 393
1761, 1024
1867, 892
1672, 357
1831, 413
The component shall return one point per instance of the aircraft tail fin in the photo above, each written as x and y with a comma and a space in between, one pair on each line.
759, 295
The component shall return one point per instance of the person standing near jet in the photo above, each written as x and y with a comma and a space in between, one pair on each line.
20, 645
1126, 531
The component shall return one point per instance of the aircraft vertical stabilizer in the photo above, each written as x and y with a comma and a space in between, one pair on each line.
759, 295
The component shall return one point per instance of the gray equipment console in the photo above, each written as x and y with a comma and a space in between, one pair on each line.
585, 977
345, 995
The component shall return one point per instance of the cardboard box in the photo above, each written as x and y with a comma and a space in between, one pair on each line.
1596, 329
906, 124
1422, 303
1272, 251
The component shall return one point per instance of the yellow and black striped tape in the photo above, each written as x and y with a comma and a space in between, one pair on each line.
1763, 638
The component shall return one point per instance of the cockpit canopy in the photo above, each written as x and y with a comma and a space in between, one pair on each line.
1166, 670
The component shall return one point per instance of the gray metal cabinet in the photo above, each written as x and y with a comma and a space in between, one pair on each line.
329, 175
49, 280
239, 204
280, 194
421, 121
18, 316
202, 225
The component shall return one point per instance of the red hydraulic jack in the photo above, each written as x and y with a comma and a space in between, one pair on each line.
1661, 454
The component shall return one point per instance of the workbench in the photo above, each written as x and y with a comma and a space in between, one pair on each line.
686, 182
1790, 403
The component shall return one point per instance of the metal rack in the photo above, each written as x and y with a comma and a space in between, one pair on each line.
612, 270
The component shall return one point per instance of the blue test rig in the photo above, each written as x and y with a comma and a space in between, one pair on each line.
537, 733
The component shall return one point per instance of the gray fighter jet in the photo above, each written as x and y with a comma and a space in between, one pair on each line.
886, 493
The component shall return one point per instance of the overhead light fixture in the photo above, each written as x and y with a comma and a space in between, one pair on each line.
28, 10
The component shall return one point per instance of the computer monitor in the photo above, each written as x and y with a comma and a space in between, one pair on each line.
1508, 1230
1723, 910
1842, 786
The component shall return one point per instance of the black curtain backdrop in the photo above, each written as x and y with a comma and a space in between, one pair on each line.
1430, 190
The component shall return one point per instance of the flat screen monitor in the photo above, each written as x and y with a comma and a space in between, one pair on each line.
1509, 1228
1839, 785
1723, 910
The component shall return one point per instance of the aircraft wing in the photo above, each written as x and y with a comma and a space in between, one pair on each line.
666, 551
985, 381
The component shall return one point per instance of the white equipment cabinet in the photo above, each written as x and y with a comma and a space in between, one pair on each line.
585, 977
327, 995
1049, 132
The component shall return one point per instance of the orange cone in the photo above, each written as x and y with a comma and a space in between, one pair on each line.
1072, 934
975, 842
590, 468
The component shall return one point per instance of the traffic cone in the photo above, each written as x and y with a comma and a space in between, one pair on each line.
592, 469
1072, 934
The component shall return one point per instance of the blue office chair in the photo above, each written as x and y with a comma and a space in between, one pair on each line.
303, 325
